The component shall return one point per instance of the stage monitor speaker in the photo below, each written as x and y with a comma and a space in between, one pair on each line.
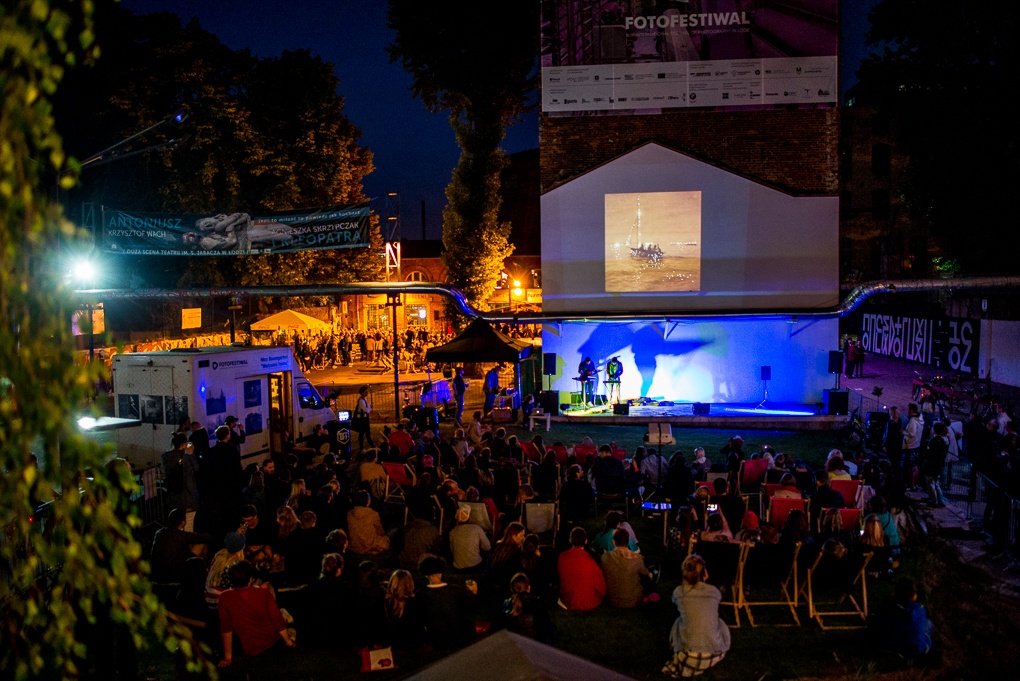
549, 364
835, 362
766, 373
576, 399
701, 408
837, 402
621, 409
550, 401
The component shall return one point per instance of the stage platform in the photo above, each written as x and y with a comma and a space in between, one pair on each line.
770, 416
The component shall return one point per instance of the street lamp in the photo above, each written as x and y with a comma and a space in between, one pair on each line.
84, 271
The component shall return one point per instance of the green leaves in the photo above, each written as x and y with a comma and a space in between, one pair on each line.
72, 569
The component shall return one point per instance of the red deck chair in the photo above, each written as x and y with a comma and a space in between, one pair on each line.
530, 452
584, 453
848, 488
780, 509
398, 476
620, 453
560, 452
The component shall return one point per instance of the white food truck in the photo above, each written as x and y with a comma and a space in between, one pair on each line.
262, 386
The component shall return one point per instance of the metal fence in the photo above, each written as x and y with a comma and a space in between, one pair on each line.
381, 396
985, 503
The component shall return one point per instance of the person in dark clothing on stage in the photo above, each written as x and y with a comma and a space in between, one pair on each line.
491, 387
588, 375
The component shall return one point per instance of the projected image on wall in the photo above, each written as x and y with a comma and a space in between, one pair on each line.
653, 242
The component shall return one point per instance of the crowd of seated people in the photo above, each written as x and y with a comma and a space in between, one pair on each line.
323, 534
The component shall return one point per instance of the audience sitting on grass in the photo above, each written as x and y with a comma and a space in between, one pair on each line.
305, 551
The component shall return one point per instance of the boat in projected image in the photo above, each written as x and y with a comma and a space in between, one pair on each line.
643, 251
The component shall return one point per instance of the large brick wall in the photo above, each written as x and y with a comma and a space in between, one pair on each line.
796, 151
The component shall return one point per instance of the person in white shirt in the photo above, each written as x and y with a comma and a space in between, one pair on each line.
653, 467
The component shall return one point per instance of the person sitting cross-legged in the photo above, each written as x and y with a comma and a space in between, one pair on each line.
250, 612
699, 638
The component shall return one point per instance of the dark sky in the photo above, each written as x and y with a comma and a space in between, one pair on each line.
414, 150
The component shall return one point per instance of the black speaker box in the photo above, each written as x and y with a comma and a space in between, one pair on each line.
549, 364
701, 408
766, 373
550, 401
835, 362
621, 409
837, 402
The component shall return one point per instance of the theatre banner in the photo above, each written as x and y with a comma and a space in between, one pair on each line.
631, 56
947, 343
135, 233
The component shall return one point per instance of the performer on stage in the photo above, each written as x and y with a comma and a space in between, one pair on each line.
588, 375
613, 372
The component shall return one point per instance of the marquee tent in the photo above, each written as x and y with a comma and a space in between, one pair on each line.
506, 656
479, 342
289, 320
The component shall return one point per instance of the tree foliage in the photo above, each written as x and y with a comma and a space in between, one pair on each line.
477, 62
72, 583
939, 68
263, 134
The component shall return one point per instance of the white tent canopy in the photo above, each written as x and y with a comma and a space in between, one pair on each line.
506, 656
289, 320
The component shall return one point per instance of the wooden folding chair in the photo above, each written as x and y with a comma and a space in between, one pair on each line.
751, 475
851, 519
398, 477
770, 569
543, 519
619, 453
725, 564
779, 509
560, 452
838, 587
848, 488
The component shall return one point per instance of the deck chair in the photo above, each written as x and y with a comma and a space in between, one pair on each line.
439, 513
610, 498
725, 564
530, 453
851, 518
774, 475
479, 514
849, 489
398, 477
770, 579
838, 588
560, 452
584, 453
779, 509
751, 475
543, 519
660, 434
709, 486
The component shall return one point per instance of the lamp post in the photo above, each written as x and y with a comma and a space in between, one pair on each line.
84, 271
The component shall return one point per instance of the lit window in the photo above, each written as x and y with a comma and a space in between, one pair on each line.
416, 276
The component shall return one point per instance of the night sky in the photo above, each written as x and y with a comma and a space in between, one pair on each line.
414, 150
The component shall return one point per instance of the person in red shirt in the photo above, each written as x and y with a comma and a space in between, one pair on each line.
250, 612
402, 440
582, 584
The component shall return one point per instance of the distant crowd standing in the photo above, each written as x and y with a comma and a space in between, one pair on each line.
297, 539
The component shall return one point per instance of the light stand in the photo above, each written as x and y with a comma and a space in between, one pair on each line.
766, 376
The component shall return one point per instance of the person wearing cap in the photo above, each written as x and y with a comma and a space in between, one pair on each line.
237, 435
749, 530
446, 609
467, 541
